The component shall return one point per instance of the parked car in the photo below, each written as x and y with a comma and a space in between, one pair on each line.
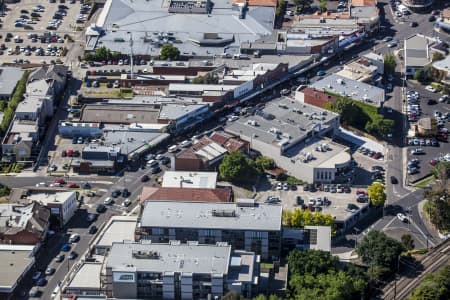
108, 201
60, 258
41, 282
74, 238
65, 247
126, 203
145, 178
92, 217
394, 180
72, 255
402, 217
92, 229
50, 271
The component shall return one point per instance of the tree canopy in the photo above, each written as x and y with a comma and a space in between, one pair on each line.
169, 52
299, 218
235, 167
361, 116
377, 193
389, 64
316, 275
264, 163
434, 286
16, 98
438, 208
380, 253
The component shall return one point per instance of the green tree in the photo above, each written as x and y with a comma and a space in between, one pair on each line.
334, 285
271, 297
233, 295
380, 127
438, 207
169, 52
419, 75
349, 111
322, 5
437, 56
3, 105
303, 5
389, 64
4, 191
434, 286
377, 193
235, 167
16, 98
311, 262
380, 253
264, 163
209, 78
299, 218
407, 241
280, 8
441, 172
102, 53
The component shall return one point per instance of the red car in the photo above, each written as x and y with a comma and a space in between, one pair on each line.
73, 186
377, 155
59, 180
361, 192
70, 153
433, 162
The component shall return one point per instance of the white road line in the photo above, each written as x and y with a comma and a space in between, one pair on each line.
389, 223
423, 234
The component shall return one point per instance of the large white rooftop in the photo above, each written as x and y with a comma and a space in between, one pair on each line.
186, 179
174, 257
228, 215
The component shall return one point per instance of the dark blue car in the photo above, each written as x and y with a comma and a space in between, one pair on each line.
65, 247
41, 282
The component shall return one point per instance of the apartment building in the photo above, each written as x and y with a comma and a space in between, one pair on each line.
179, 271
244, 224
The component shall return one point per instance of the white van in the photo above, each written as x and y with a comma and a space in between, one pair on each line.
173, 148
55, 292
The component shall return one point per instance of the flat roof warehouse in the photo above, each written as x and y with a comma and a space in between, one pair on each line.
152, 23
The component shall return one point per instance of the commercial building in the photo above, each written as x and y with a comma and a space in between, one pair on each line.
376, 60
179, 271
23, 223
86, 281
417, 54
245, 224
308, 238
186, 179
197, 28
353, 89
77, 129
185, 194
119, 114
309, 95
443, 23
182, 117
207, 152
360, 70
18, 143
8, 81
99, 159
444, 67
15, 262
118, 229
62, 205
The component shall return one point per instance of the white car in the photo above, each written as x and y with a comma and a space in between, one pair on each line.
173, 148
107, 201
233, 118
185, 143
126, 203
399, 14
74, 238
402, 217
40, 184
430, 88
279, 186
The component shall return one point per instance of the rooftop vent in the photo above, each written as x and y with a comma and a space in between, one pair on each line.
223, 213
145, 254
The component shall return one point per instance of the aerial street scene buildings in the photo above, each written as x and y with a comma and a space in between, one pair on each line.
215, 149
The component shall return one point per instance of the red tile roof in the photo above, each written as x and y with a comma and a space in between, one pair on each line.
185, 194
